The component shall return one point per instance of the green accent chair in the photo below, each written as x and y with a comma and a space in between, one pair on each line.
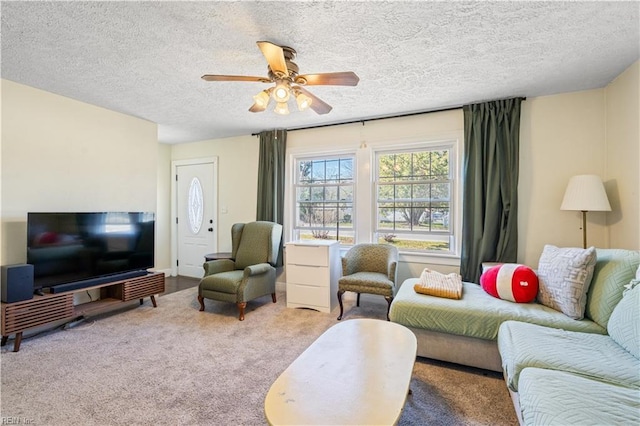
250, 273
369, 268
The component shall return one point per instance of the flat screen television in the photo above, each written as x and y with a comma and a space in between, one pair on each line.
76, 250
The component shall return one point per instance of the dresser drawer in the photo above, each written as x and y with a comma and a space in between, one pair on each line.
307, 255
307, 295
317, 276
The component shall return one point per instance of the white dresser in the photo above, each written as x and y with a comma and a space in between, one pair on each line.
313, 269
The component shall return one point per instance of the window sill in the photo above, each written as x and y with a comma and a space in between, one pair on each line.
430, 258
424, 258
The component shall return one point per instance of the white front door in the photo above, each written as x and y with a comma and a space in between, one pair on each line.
196, 201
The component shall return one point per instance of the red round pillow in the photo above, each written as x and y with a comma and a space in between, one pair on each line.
510, 281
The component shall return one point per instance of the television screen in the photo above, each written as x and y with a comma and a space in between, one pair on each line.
73, 247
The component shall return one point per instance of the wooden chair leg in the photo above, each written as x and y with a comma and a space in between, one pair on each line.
389, 299
273, 297
358, 301
241, 306
201, 300
340, 293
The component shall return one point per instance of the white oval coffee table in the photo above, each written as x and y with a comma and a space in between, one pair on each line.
357, 372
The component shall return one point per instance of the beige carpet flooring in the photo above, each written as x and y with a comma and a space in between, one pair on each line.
175, 365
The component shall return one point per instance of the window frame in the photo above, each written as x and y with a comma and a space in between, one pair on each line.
452, 179
364, 202
295, 184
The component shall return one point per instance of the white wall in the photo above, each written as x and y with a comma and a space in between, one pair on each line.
59, 154
560, 136
163, 210
622, 169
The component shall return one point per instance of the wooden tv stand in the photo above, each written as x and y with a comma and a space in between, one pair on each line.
42, 310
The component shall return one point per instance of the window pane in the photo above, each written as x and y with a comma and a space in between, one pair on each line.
303, 193
403, 192
441, 191
332, 169
413, 191
346, 193
422, 165
317, 193
345, 215
331, 193
346, 169
385, 192
421, 192
324, 194
304, 171
317, 170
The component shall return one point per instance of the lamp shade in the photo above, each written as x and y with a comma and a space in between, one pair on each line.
585, 193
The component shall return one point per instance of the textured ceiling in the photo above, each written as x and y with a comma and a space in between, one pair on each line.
146, 58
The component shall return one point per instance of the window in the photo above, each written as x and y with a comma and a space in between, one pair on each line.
401, 192
324, 194
413, 199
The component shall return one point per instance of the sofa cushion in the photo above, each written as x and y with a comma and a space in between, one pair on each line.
524, 345
564, 276
476, 314
624, 323
614, 269
510, 281
550, 397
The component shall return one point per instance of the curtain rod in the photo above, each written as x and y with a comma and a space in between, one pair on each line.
367, 119
378, 118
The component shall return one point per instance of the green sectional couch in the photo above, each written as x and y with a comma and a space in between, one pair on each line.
543, 368
558, 370
465, 331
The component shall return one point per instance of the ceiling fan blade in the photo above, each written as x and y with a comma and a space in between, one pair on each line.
347, 78
257, 108
275, 57
211, 77
317, 104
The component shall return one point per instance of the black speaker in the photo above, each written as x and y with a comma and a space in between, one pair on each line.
17, 283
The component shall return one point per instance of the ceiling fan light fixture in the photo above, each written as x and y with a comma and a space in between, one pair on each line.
282, 108
281, 92
262, 99
303, 101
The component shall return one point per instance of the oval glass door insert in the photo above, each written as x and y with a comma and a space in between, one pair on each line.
195, 205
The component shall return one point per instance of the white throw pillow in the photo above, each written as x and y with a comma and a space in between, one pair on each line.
564, 276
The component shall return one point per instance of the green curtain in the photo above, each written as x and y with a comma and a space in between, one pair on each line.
490, 204
271, 183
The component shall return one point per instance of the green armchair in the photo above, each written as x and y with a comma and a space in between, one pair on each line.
251, 272
369, 268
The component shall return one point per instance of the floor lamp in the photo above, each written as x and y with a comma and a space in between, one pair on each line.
585, 193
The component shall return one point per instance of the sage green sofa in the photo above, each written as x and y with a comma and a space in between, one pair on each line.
559, 377
465, 331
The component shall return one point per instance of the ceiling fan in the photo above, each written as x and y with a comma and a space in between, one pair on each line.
288, 83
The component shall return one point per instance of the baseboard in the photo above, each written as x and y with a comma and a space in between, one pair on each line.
166, 272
